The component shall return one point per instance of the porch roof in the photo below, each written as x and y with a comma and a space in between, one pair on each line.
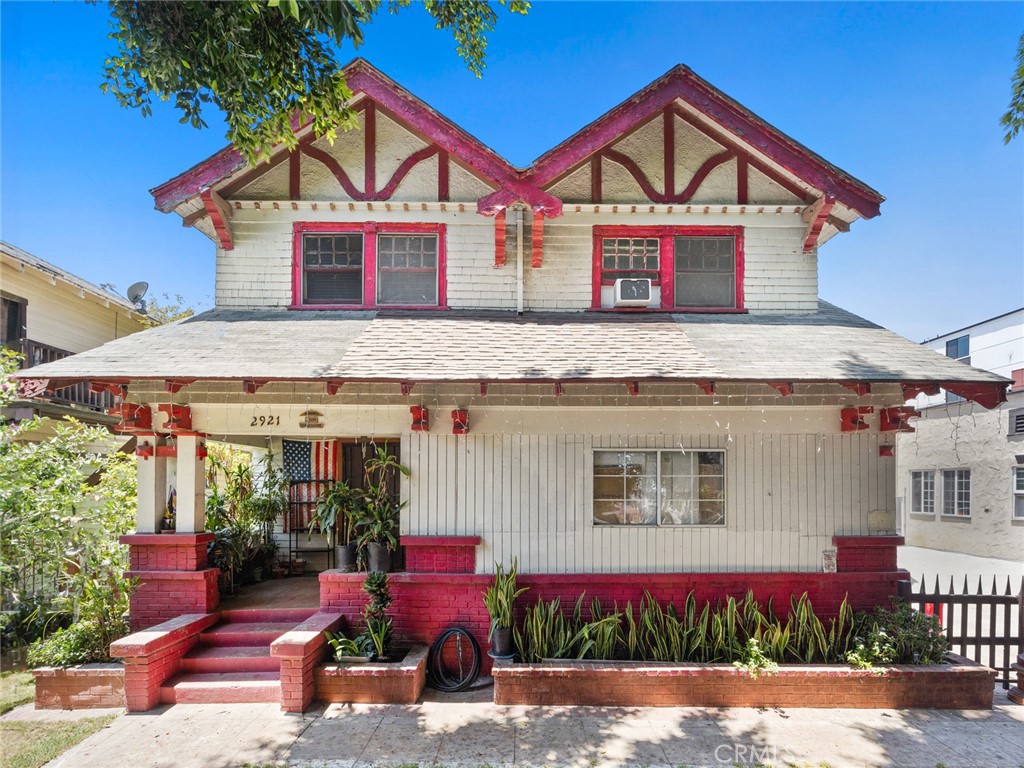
457, 346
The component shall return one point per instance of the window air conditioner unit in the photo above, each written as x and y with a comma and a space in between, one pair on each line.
632, 292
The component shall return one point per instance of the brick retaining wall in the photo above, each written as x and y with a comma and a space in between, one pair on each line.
958, 685
83, 686
400, 683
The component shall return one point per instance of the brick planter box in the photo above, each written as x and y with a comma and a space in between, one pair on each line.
84, 686
398, 683
960, 684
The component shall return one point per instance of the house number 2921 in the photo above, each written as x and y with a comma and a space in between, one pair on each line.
265, 421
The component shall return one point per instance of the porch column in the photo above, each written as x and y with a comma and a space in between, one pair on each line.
191, 488
151, 474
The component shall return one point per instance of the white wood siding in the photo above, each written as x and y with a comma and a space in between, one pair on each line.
257, 273
59, 316
529, 496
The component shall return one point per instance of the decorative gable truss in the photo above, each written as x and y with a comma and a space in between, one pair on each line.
677, 142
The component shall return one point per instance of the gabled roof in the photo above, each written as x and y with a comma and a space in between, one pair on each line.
363, 78
527, 184
42, 265
680, 82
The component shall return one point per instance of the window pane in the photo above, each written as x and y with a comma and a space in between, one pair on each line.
333, 269
692, 488
1018, 474
705, 272
623, 257
915, 491
407, 270
625, 488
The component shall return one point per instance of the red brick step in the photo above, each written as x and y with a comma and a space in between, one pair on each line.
246, 632
230, 658
222, 688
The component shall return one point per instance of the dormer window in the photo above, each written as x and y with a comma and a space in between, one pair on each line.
368, 265
696, 269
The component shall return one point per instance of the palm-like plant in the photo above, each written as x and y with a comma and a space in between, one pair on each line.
500, 597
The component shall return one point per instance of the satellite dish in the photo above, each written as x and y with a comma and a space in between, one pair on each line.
136, 291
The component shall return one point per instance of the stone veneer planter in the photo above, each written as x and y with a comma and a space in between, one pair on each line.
960, 684
83, 686
373, 683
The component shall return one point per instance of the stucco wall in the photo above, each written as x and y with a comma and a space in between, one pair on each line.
965, 436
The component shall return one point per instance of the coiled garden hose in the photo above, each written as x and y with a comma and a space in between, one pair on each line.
459, 678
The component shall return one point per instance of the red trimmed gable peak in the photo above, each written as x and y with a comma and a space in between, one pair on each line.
749, 147
741, 133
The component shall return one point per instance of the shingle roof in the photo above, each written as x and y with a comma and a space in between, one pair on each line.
828, 345
71, 279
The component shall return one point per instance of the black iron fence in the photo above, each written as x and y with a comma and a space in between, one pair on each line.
986, 625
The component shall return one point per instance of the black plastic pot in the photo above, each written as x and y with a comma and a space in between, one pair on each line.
501, 643
346, 557
378, 557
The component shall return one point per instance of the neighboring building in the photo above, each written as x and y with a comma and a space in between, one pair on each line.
960, 477
47, 314
613, 366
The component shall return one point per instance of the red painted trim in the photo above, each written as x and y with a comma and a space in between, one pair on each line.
681, 83
669, 152
443, 171
784, 388
220, 224
814, 228
370, 151
912, 390
500, 253
850, 418
702, 173
637, 173
742, 186
460, 421
666, 269
483, 389
987, 395
406, 387
333, 166
633, 387
708, 387
252, 386
370, 230
403, 170
333, 387
173, 386
440, 541
742, 152
537, 255
595, 178
294, 176
860, 387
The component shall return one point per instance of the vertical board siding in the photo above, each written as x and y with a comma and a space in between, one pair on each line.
529, 496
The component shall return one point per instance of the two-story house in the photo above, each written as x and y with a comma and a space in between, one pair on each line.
613, 366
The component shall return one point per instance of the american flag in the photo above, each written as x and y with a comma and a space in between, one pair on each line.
305, 461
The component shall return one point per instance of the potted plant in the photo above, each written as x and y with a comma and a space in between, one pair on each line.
337, 514
378, 523
500, 599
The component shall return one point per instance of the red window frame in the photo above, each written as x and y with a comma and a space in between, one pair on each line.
369, 230
666, 261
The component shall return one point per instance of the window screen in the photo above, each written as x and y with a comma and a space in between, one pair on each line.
705, 272
332, 269
407, 270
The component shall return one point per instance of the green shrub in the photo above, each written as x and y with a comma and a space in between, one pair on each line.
897, 635
81, 643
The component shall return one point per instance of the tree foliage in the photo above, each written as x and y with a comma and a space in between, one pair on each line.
64, 501
167, 309
1013, 120
264, 63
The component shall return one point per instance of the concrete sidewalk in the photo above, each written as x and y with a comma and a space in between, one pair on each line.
467, 730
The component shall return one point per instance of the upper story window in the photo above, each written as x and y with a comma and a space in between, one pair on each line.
368, 265
690, 268
12, 321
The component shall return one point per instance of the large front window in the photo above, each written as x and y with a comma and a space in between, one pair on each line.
690, 268
369, 265
667, 487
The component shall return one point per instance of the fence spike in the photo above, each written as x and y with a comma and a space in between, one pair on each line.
935, 589
952, 589
967, 589
981, 589
995, 588
1007, 592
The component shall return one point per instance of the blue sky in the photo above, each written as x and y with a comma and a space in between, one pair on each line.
906, 97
